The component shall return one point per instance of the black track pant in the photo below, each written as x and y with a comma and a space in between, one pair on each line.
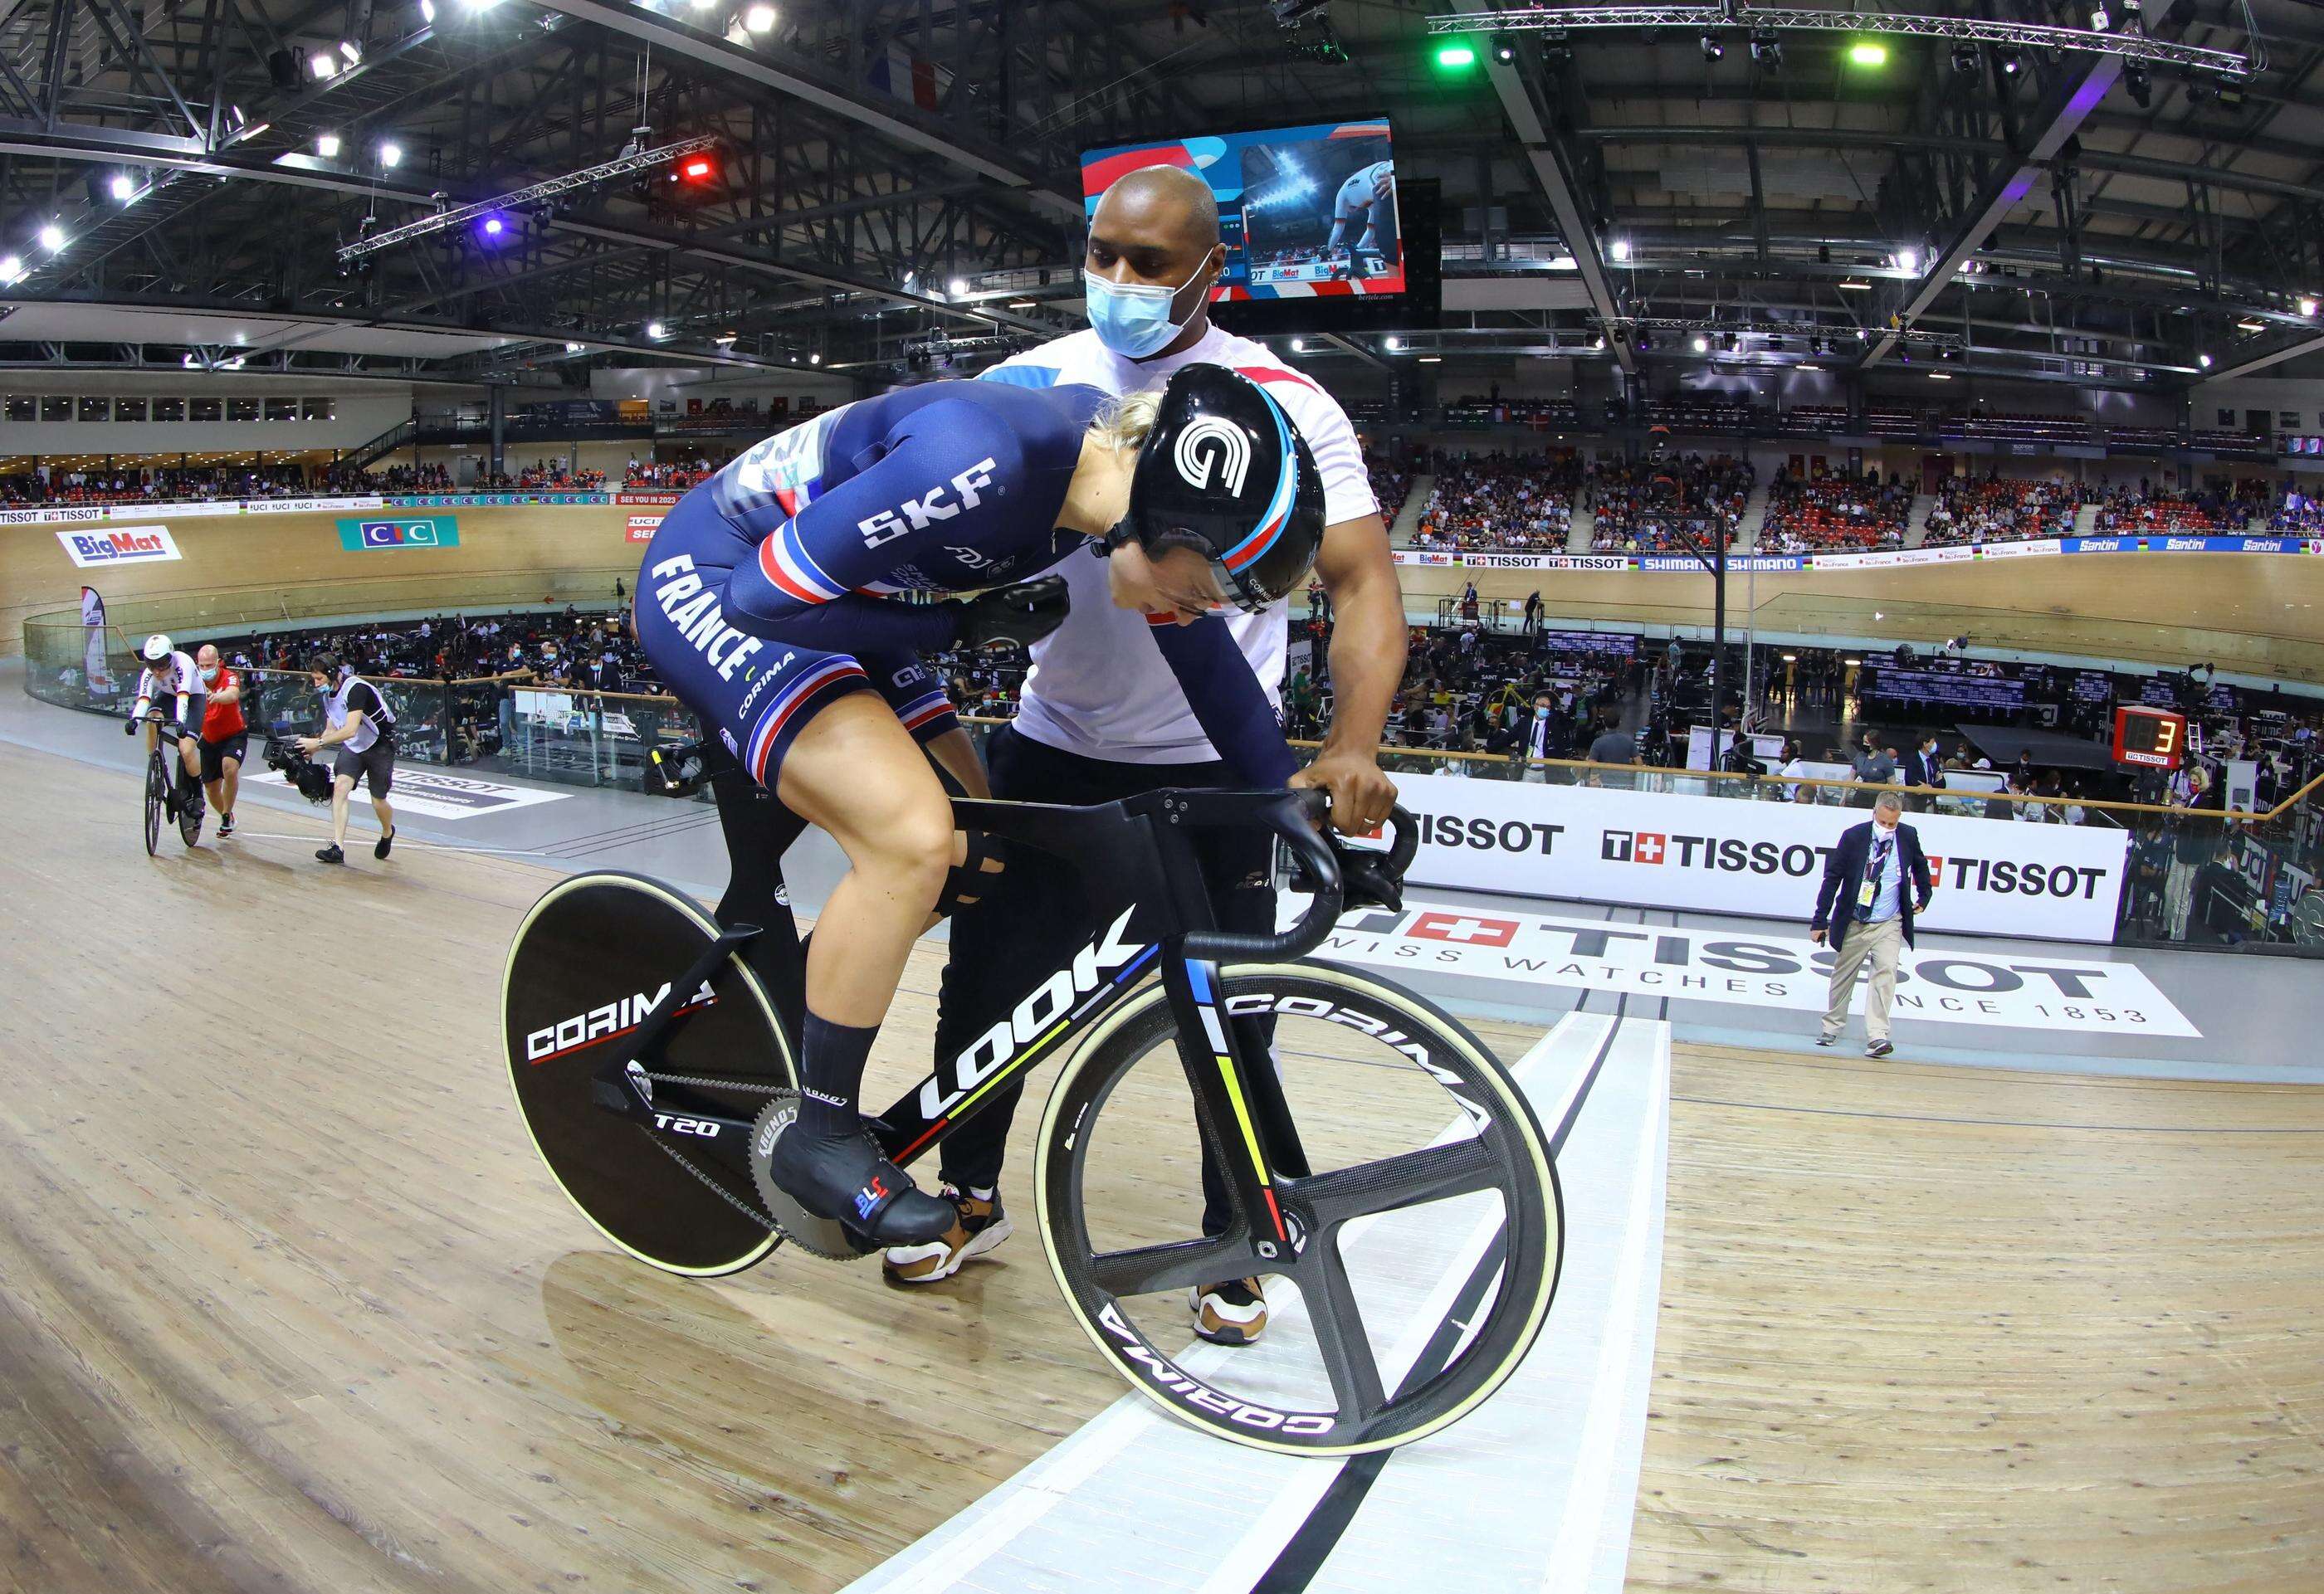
1035, 918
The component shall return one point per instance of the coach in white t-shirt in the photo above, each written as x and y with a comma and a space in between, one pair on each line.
1101, 717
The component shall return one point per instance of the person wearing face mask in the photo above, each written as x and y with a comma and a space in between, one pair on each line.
1874, 883
224, 735
1101, 716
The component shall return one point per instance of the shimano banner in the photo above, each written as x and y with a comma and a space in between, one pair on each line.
1654, 849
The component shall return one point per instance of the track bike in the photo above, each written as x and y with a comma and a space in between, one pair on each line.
1410, 1200
160, 780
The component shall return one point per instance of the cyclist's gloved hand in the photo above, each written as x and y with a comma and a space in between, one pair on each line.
129, 727
1019, 615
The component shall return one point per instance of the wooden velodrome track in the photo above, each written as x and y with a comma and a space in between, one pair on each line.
2259, 613
288, 1302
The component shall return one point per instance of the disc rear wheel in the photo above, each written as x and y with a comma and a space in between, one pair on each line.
589, 962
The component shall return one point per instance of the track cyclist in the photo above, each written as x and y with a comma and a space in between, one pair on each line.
170, 673
772, 601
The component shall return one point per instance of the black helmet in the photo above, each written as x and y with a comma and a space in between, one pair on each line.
1225, 472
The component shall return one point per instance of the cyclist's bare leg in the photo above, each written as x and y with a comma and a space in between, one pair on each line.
855, 771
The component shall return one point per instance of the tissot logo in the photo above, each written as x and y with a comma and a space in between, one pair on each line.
1632, 846
1721, 854
1464, 929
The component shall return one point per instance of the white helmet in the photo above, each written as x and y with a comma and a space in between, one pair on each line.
157, 649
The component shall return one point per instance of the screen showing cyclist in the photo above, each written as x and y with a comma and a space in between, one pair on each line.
772, 600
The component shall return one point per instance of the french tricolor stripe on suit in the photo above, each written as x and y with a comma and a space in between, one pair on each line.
786, 702
784, 560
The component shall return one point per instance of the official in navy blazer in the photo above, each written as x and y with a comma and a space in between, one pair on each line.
1875, 880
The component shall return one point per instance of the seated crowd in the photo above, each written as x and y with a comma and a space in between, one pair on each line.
1665, 506
232, 482
2153, 507
656, 476
1999, 509
1510, 501
1391, 485
1835, 513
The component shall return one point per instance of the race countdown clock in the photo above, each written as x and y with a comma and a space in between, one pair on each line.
2150, 738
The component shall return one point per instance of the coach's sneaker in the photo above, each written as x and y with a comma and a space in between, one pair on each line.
379, 849
330, 854
1230, 1313
1827, 1038
226, 826
982, 1224
1878, 1048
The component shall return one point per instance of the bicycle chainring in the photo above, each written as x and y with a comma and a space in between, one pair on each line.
823, 1236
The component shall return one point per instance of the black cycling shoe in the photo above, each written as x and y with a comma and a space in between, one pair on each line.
330, 854
379, 849
845, 1179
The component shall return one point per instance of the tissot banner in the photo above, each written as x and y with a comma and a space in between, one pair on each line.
1650, 849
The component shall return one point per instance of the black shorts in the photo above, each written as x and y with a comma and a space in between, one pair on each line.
216, 753
376, 762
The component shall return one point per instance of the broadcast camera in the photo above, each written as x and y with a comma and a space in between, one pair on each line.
313, 780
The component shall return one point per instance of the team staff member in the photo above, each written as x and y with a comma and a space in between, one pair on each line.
1865, 909
360, 724
1101, 718
224, 735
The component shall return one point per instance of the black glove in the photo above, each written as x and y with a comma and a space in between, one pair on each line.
129, 727
1019, 615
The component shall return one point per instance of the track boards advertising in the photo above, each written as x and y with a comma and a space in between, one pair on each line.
1651, 849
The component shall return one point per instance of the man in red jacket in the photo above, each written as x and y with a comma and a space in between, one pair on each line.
224, 735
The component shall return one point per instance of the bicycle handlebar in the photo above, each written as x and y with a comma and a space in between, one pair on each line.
1297, 818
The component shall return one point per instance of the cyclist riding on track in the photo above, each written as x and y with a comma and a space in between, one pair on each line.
169, 673
770, 602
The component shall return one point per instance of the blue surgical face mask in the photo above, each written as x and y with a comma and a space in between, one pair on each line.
1132, 319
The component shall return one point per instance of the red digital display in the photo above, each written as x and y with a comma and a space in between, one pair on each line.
2150, 738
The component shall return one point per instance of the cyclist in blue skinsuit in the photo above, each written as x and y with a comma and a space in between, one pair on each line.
768, 600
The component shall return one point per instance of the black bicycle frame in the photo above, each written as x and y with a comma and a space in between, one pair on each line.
1155, 912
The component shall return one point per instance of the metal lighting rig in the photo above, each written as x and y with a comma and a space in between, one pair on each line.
2131, 43
623, 165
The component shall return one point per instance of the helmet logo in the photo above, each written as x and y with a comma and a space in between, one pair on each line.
1209, 443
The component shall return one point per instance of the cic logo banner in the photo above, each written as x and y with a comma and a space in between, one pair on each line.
400, 531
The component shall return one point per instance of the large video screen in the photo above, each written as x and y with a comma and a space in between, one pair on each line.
1317, 225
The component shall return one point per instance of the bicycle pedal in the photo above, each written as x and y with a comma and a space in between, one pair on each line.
828, 1238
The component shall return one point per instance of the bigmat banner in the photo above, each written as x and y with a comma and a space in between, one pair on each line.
1649, 849
2088, 996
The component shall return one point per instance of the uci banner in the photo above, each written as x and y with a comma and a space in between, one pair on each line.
1652, 848
375, 531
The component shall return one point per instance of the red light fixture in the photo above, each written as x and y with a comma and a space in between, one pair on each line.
698, 168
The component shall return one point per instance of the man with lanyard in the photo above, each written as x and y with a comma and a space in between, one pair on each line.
224, 736
1101, 718
362, 726
1866, 908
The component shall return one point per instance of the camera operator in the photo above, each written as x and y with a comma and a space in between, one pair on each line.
226, 739
362, 726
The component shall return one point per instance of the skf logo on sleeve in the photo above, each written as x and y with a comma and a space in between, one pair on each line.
918, 514
1628, 846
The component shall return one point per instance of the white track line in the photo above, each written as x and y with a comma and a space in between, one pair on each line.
1619, 1348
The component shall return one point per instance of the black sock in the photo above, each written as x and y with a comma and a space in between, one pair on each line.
831, 1073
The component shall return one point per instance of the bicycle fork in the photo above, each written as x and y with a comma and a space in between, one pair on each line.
1241, 1103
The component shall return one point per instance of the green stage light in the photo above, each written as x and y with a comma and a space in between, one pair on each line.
1457, 56
1867, 53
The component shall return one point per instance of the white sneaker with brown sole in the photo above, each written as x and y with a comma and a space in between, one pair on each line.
1231, 1314
981, 1226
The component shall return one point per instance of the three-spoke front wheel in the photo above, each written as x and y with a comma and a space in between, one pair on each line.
1424, 1236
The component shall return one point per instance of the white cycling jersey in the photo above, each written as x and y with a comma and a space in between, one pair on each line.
1099, 686
164, 683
